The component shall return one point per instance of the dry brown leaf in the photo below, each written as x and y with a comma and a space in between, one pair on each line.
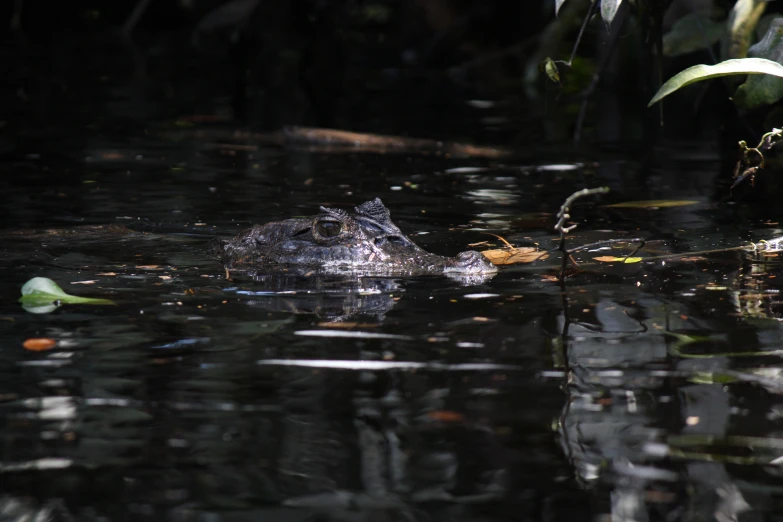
509, 256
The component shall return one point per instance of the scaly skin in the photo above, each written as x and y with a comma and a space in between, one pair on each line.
334, 241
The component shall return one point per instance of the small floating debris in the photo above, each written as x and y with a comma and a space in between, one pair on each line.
654, 203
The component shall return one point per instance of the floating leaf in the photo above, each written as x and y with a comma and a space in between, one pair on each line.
609, 10
509, 256
558, 5
42, 292
691, 33
39, 344
654, 203
701, 72
612, 259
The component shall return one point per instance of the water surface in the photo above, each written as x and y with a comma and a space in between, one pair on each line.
641, 391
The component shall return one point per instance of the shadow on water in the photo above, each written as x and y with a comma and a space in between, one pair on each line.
641, 391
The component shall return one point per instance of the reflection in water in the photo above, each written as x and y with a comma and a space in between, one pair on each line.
664, 397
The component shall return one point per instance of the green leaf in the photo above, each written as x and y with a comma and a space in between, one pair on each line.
558, 5
549, 67
42, 292
701, 72
691, 33
609, 10
763, 90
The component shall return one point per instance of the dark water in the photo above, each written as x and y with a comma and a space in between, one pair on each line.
645, 391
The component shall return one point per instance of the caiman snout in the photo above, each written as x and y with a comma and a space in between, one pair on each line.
470, 262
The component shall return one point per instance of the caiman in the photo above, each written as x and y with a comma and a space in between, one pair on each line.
365, 242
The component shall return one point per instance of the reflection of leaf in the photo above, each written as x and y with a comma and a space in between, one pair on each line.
509, 256
653, 203
43, 292
612, 259
701, 72
51, 307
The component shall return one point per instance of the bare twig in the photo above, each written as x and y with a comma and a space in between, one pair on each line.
564, 215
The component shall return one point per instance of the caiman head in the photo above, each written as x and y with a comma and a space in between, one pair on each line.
366, 242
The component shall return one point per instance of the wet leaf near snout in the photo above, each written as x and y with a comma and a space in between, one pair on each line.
513, 255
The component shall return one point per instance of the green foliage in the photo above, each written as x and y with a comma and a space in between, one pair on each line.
608, 9
691, 33
703, 72
766, 89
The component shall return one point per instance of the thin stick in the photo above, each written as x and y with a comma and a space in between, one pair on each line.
564, 215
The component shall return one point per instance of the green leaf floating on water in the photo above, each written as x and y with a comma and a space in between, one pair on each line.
701, 72
43, 292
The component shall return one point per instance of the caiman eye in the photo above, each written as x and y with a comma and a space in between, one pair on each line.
328, 229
